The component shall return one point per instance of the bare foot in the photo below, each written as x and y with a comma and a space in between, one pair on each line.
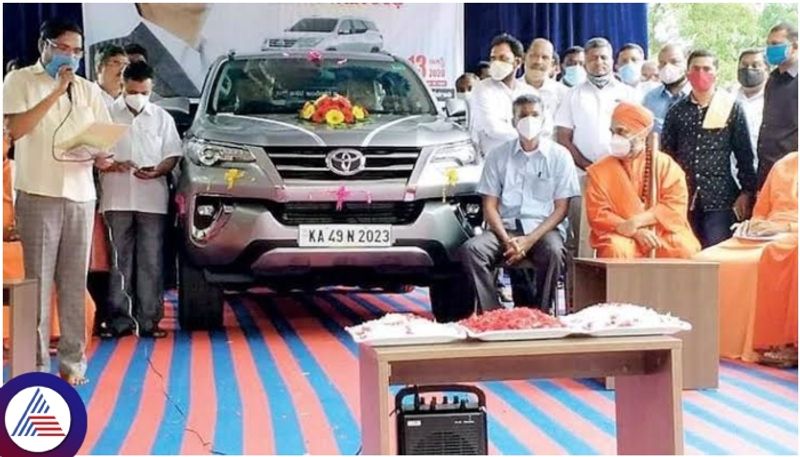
74, 379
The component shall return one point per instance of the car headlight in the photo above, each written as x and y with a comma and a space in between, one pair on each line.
455, 154
308, 42
209, 154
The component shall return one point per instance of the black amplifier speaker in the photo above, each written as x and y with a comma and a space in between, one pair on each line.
454, 425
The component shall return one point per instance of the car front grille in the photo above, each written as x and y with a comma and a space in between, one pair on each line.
394, 213
309, 164
281, 43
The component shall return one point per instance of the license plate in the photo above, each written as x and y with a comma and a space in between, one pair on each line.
344, 236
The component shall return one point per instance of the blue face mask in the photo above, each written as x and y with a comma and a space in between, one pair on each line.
574, 75
59, 60
630, 73
776, 54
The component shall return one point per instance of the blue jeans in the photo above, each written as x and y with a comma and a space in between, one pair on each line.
713, 226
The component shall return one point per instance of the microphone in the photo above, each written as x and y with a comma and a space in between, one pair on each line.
69, 92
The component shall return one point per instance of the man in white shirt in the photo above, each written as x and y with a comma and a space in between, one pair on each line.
110, 63
46, 104
629, 68
583, 125
492, 99
134, 203
538, 67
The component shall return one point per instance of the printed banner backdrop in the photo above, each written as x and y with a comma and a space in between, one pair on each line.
182, 39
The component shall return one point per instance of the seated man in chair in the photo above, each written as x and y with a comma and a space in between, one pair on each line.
526, 184
636, 198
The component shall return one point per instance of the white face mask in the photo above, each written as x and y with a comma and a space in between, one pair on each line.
530, 127
463, 95
620, 146
670, 74
137, 102
498, 70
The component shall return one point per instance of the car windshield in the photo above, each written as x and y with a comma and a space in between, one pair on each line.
267, 85
314, 25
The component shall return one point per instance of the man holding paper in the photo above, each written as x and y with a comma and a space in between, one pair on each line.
134, 202
47, 103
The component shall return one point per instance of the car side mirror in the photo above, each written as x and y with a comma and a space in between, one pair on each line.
455, 107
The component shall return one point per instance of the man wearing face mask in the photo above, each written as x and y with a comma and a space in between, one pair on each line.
582, 125
701, 132
752, 76
631, 217
134, 204
572, 69
672, 73
538, 67
490, 122
778, 134
44, 105
629, 67
525, 184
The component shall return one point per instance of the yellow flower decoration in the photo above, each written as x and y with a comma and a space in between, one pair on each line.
233, 175
334, 117
308, 111
358, 113
451, 178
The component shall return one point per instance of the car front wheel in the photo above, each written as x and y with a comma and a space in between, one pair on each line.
199, 302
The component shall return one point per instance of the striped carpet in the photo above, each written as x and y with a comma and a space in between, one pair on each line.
282, 379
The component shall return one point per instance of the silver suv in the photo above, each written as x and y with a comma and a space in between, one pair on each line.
330, 34
269, 199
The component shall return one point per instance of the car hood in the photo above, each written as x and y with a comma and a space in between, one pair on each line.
381, 130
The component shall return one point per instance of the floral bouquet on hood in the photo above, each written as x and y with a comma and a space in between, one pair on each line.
334, 110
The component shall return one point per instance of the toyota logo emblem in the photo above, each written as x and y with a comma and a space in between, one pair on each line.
345, 162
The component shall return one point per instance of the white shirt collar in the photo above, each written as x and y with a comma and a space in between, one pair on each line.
542, 148
188, 57
742, 96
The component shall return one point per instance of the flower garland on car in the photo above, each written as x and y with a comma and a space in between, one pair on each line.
334, 110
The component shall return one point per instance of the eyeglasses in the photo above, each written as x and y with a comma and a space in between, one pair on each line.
77, 52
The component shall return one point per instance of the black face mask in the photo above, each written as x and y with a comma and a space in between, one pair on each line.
750, 77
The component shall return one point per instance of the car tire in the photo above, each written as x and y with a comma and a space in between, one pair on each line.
199, 302
452, 299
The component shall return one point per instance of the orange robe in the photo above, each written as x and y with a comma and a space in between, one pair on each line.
613, 190
13, 264
776, 294
743, 265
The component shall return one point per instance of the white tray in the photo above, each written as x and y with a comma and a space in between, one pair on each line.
516, 335
639, 331
411, 340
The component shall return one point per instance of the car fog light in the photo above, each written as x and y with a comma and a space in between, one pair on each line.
205, 210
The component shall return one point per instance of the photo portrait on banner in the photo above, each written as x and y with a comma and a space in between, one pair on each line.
182, 40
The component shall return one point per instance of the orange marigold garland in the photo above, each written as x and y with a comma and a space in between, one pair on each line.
333, 110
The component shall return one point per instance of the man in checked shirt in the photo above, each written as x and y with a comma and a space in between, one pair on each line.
700, 133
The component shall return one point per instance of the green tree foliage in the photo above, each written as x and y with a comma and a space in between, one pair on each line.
723, 28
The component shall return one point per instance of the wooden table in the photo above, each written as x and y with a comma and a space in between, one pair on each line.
648, 371
22, 296
685, 288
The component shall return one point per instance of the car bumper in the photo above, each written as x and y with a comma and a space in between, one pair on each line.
247, 236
